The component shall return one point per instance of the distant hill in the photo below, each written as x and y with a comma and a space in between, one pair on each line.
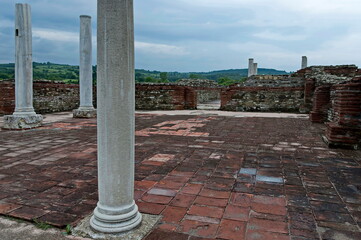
70, 74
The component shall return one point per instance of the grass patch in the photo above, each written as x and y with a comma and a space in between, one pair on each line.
41, 225
68, 230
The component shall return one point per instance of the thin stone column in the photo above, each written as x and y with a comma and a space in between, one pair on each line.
116, 210
86, 109
255, 68
250, 67
304, 62
24, 116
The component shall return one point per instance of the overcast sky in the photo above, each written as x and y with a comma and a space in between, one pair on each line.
203, 35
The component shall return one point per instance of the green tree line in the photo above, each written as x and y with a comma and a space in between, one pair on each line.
70, 74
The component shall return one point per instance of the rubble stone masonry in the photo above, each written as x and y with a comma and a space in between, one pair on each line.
48, 96
262, 99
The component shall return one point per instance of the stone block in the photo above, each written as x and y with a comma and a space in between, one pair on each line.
85, 113
19, 122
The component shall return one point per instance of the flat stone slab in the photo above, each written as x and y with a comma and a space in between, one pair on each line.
83, 229
19, 122
81, 113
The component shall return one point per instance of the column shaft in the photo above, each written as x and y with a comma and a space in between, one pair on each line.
116, 210
304, 62
23, 61
86, 109
255, 68
24, 116
250, 67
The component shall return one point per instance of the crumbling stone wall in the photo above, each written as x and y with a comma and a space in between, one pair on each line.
7, 97
207, 90
265, 93
164, 97
203, 83
48, 96
321, 104
326, 75
207, 95
335, 101
273, 81
262, 99
318, 76
56, 97
344, 128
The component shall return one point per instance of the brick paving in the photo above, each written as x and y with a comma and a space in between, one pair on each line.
210, 177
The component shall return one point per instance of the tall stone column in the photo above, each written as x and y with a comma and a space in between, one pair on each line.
250, 67
116, 210
255, 68
304, 62
86, 109
24, 116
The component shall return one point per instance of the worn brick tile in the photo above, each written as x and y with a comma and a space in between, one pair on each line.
216, 202
337, 226
138, 194
28, 213
156, 198
81, 210
193, 189
302, 224
202, 219
213, 212
232, 230
8, 207
241, 199
160, 234
173, 214
40, 186
199, 229
162, 192
333, 217
327, 233
214, 194
59, 219
170, 184
168, 227
144, 185
262, 235
271, 209
267, 225
237, 213
280, 201
183, 200
326, 206
59, 190
150, 208
307, 233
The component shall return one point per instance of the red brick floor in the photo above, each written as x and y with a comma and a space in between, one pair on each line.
210, 177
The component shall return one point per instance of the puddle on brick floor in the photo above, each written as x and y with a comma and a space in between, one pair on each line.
269, 179
248, 171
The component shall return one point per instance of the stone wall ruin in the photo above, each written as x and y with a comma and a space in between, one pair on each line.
265, 93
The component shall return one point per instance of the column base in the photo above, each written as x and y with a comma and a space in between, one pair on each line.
117, 223
22, 121
85, 113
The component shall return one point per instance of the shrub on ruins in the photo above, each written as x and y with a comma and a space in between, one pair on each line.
225, 81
